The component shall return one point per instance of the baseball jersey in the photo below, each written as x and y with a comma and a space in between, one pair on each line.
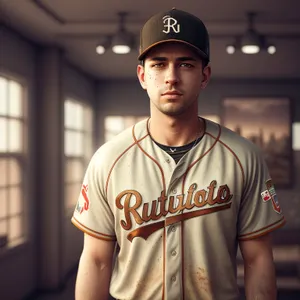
177, 226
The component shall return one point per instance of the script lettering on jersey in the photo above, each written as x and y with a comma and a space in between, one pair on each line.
130, 201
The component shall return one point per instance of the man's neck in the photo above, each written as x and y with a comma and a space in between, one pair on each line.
171, 131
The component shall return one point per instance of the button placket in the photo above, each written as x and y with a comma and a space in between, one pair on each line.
173, 261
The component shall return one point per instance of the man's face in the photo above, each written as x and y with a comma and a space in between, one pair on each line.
173, 76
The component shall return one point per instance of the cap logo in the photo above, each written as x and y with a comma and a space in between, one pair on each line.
170, 24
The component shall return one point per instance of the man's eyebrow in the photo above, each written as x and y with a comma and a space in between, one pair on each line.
183, 58
158, 58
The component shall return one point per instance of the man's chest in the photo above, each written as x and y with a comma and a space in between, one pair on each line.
148, 195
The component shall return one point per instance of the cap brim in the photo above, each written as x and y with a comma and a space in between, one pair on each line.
143, 54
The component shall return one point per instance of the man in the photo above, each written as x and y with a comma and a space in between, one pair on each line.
165, 204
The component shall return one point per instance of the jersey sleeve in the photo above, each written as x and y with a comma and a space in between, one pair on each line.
92, 213
260, 211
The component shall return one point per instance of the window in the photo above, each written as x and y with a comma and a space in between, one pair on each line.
116, 124
296, 136
13, 130
78, 148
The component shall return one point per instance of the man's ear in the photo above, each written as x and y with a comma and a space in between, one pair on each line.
141, 76
206, 76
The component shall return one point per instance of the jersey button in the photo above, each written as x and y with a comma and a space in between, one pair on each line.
173, 253
173, 229
174, 191
173, 278
168, 160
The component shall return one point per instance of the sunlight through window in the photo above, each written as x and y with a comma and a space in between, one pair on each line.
12, 145
78, 148
296, 136
116, 124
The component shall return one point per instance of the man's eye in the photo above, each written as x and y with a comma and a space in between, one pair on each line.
186, 65
158, 65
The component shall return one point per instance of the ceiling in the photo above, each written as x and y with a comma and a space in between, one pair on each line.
77, 26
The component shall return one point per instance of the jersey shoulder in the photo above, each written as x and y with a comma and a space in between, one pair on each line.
240, 146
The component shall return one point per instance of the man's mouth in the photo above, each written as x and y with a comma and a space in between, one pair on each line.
172, 93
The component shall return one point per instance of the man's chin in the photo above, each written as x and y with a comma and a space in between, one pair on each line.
173, 111
172, 108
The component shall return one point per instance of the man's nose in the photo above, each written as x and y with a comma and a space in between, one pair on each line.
171, 75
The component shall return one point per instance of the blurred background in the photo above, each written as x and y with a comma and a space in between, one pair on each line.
68, 84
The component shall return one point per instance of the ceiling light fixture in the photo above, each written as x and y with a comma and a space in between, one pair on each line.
271, 49
121, 43
103, 44
100, 49
230, 49
123, 40
251, 42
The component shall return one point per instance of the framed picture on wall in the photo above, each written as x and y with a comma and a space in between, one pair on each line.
267, 123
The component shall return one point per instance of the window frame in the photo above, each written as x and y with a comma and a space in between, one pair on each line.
126, 118
84, 158
22, 159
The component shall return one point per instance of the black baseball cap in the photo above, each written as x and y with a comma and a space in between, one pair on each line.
174, 26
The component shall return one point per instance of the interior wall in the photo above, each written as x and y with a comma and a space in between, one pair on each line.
18, 265
81, 87
128, 98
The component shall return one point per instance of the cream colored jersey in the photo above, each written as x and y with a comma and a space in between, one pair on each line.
177, 225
